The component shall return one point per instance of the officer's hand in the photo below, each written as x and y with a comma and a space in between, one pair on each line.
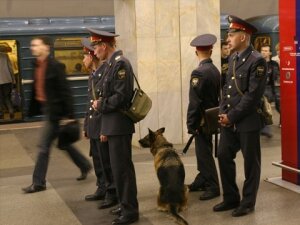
103, 138
96, 105
223, 120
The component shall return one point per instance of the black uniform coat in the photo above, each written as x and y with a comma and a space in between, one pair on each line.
204, 93
59, 102
250, 70
92, 120
116, 96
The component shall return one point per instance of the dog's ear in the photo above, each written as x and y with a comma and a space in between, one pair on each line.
160, 130
151, 136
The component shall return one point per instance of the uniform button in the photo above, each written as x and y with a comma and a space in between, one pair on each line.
228, 96
232, 78
91, 108
228, 105
91, 116
229, 86
91, 100
89, 89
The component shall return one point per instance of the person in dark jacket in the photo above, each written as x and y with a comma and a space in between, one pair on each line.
203, 94
272, 77
92, 124
241, 119
51, 94
116, 127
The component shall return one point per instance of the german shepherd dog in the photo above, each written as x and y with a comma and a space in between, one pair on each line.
172, 196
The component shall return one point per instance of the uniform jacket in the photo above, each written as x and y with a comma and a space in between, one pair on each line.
250, 70
92, 120
116, 92
59, 101
203, 94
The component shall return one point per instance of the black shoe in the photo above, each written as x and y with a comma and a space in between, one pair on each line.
195, 186
107, 203
84, 173
98, 195
242, 211
207, 195
125, 220
223, 206
34, 188
116, 211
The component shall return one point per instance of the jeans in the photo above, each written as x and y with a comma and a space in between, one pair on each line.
50, 132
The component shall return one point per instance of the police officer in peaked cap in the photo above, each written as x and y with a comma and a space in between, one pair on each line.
204, 93
92, 124
116, 127
240, 119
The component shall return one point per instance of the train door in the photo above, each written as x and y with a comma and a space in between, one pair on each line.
10, 93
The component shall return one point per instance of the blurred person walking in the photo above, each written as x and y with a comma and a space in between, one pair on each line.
51, 95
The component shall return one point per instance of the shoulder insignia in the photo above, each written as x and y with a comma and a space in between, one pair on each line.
260, 71
195, 81
117, 57
121, 74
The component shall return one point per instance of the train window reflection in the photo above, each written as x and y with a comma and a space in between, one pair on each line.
69, 51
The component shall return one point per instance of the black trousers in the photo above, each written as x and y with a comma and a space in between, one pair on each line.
249, 143
5, 98
49, 133
101, 160
205, 162
124, 173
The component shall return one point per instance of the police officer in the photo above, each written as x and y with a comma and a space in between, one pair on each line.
203, 94
92, 124
117, 128
225, 52
240, 119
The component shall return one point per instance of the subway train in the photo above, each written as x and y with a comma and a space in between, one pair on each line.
66, 34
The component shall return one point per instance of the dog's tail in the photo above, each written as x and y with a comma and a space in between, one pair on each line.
179, 219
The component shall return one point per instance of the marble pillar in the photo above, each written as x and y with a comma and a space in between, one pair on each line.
155, 35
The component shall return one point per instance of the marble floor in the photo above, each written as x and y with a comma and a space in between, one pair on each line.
63, 202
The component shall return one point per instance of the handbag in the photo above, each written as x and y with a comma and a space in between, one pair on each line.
16, 98
211, 117
68, 134
140, 104
266, 111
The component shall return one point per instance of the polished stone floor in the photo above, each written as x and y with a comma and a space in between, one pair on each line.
63, 202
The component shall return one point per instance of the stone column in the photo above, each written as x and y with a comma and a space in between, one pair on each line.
155, 36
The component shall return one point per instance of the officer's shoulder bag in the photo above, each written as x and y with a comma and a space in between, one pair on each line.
140, 104
265, 110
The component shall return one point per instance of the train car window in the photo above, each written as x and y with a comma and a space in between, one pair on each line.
11, 105
261, 40
69, 51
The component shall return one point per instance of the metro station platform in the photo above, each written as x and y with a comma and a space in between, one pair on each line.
63, 202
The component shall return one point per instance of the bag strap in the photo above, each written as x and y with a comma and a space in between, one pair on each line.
136, 81
235, 82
